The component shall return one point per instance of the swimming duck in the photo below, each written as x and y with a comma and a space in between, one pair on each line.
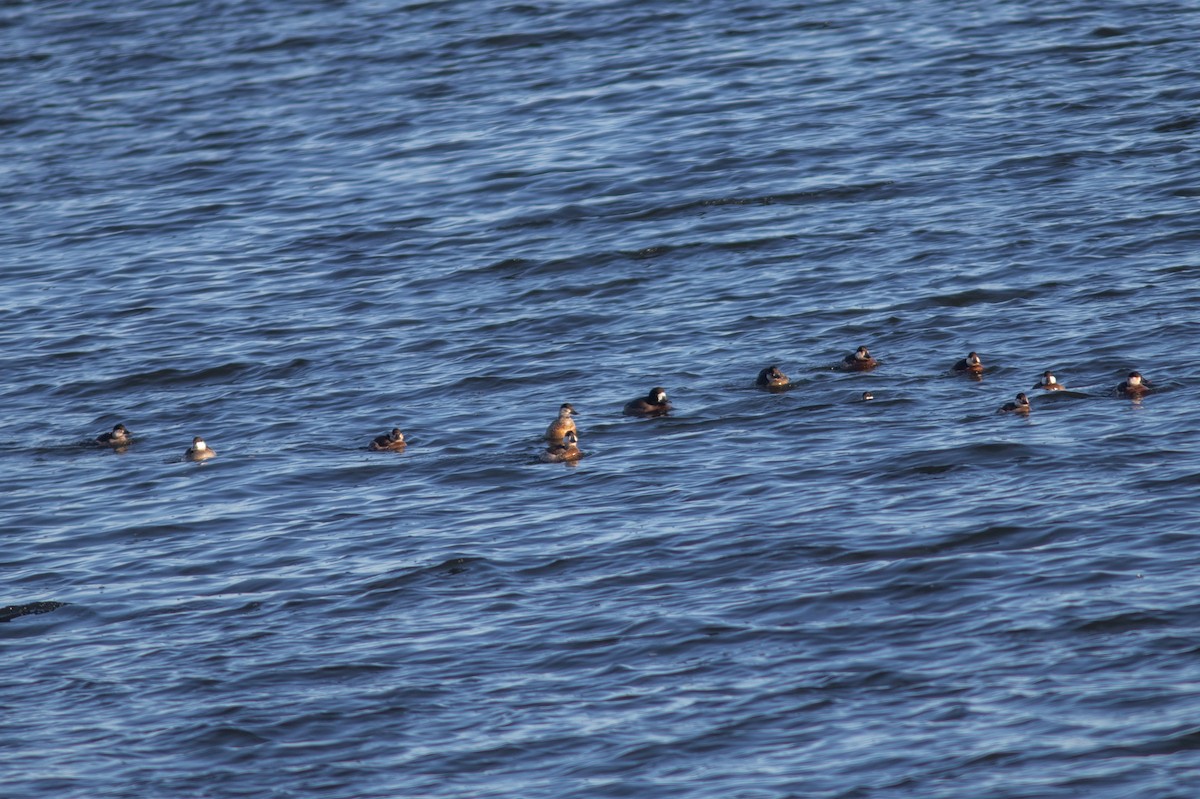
1134, 386
388, 442
867, 396
859, 361
970, 364
562, 425
199, 451
119, 437
566, 451
1020, 405
771, 377
1049, 383
653, 404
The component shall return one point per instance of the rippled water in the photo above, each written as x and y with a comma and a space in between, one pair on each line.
289, 227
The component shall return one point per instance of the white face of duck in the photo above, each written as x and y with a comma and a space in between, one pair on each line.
1048, 379
861, 354
973, 360
1134, 380
660, 397
199, 445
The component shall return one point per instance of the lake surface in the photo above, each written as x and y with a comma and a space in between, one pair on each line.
289, 226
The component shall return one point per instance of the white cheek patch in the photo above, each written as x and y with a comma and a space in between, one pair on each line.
199, 446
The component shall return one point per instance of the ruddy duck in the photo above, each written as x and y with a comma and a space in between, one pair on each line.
1048, 382
1020, 405
388, 442
119, 437
653, 404
562, 425
867, 396
970, 364
566, 451
771, 377
859, 361
199, 451
1134, 386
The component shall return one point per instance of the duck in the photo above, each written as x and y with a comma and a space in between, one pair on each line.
859, 361
119, 437
970, 364
564, 452
771, 377
1019, 405
867, 396
653, 404
199, 451
562, 425
1049, 382
1134, 386
388, 442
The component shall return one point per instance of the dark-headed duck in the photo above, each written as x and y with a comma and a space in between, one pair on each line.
119, 437
562, 425
199, 451
859, 361
1134, 386
566, 451
388, 442
772, 377
970, 365
1049, 382
653, 404
1019, 405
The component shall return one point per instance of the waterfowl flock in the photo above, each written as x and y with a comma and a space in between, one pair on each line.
562, 435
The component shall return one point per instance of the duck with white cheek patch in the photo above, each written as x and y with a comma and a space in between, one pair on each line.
567, 451
199, 451
1049, 382
1134, 386
1019, 405
653, 404
859, 361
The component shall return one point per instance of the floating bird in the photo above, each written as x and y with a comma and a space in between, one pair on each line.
653, 404
562, 425
199, 451
388, 442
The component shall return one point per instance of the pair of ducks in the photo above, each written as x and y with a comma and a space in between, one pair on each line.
563, 436
121, 437
860, 360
